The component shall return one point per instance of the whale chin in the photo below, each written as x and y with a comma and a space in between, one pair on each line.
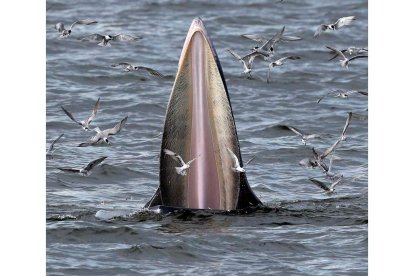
199, 122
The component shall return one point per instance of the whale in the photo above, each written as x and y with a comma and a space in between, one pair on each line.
199, 122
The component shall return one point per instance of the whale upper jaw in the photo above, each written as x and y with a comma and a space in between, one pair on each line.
199, 122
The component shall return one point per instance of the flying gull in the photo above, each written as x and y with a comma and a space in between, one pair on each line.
328, 188
345, 61
339, 93
350, 51
341, 22
279, 62
236, 165
104, 39
305, 136
86, 170
129, 67
65, 33
102, 135
184, 166
85, 123
246, 60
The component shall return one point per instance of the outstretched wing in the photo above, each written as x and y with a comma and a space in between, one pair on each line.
94, 112
151, 71
70, 115
289, 57
339, 180
175, 156
117, 128
336, 51
348, 120
59, 27
92, 37
296, 130
330, 149
236, 163
360, 56
343, 21
121, 64
69, 170
249, 161
83, 22
320, 184
94, 163
257, 38
54, 142
320, 29
125, 37
234, 54
290, 38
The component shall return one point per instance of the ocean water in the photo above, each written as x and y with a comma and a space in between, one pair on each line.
302, 231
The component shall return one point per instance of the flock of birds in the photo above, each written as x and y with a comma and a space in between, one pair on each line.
265, 50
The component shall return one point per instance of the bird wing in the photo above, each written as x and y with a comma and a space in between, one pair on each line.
363, 93
175, 156
92, 37
336, 51
348, 120
94, 163
339, 180
236, 163
69, 170
330, 149
125, 37
288, 57
360, 56
234, 54
320, 29
191, 161
83, 22
320, 184
94, 111
70, 115
273, 40
123, 64
117, 128
249, 161
54, 142
59, 27
257, 38
151, 71
290, 38
296, 130
343, 21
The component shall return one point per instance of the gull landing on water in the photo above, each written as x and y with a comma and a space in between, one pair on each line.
236, 165
279, 62
102, 135
184, 166
65, 33
104, 39
86, 170
129, 67
345, 61
343, 94
343, 21
329, 189
85, 123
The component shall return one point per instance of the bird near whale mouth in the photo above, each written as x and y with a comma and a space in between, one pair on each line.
199, 124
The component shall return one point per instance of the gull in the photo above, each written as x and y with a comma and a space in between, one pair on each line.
246, 60
104, 39
305, 136
345, 61
279, 62
343, 21
320, 157
236, 165
129, 67
65, 33
329, 189
262, 39
350, 51
267, 49
339, 93
86, 170
50, 149
308, 163
184, 166
85, 123
102, 135
327, 169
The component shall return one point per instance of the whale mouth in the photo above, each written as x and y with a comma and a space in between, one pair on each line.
199, 123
